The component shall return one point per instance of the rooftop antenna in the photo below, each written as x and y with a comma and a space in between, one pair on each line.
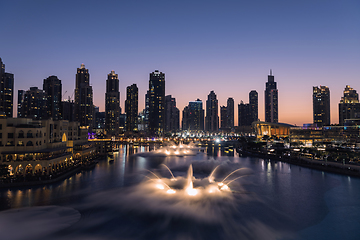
270, 72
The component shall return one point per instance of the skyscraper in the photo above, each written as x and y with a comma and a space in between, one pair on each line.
223, 117
349, 106
20, 111
244, 114
253, 101
271, 100
212, 116
172, 115
6, 91
156, 102
131, 108
53, 88
35, 104
112, 104
321, 106
248, 113
193, 116
230, 113
83, 98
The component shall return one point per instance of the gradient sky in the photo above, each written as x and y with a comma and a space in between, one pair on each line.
225, 46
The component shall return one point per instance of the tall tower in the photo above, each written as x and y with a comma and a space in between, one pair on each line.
212, 116
83, 98
53, 88
321, 105
6, 91
156, 102
20, 109
271, 100
172, 115
131, 108
253, 101
230, 113
112, 104
193, 116
349, 106
223, 117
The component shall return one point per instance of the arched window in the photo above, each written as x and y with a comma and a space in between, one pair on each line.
29, 143
20, 143
29, 134
21, 134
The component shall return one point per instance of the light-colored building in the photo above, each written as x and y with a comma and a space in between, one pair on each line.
39, 147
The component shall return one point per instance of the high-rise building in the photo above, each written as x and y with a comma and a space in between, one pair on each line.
156, 102
321, 106
83, 98
244, 114
6, 91
223, 117
112, 104
193, 116
349, 106
35, 104
248, 112
230, 113
271, 100
253, 101
20, 110
131, 108
68, 108
212, 116
172, 115
52, 86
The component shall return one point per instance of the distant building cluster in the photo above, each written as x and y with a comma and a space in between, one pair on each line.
160, 115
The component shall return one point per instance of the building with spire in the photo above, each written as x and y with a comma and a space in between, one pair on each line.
156, 96
349, 106
84, 108
112, 104
212, 116
271, 100
321, 106
6, 91
131, 108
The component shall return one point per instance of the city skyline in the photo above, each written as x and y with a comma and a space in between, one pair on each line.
230, 54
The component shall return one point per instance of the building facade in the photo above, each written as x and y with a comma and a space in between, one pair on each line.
230, 113
172, 115
131, 108
212, 116
271, 100
321, 106
254, 102
112, 104
156, 96
35, 104
6, 91
349, 106
53, 88
83, 98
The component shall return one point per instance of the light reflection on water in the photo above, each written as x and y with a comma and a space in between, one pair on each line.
285, 199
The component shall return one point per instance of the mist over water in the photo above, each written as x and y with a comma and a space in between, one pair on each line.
124, 200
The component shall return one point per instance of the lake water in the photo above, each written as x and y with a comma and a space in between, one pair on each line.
272, 200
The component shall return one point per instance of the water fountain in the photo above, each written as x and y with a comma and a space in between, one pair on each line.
173, 150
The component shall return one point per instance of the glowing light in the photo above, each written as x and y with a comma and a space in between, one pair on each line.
171, 191
191, 191
159, 186
220, 184
225, 187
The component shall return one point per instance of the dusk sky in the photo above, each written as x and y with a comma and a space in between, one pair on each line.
225, 46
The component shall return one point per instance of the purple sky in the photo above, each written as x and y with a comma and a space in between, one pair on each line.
225, 46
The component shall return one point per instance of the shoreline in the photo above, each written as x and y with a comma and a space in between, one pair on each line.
332, 167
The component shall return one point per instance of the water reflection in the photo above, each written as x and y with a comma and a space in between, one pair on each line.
283, 199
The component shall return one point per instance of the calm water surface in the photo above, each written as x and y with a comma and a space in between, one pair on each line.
277, 201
